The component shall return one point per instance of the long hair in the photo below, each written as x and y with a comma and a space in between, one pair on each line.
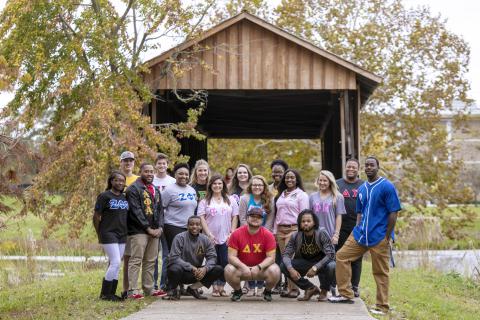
316, 222
266, 196
235, 185
333, 183
112, 176
224, 191
193, 176
282, 186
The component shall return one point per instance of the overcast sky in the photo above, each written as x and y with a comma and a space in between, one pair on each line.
463, 18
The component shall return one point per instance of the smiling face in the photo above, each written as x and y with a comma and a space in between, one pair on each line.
181, 176
194, 226
118, 183
126, 165
217, 186
202, 174
242, 174
323, 183
161, 166
351, 170
290, 180
147, 173
277, 173
257, 187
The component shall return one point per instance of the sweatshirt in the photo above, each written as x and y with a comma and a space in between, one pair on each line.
189, 250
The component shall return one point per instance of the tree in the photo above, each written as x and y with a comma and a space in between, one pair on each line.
423, 65
76, 69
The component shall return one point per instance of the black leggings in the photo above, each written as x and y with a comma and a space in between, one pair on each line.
170, 233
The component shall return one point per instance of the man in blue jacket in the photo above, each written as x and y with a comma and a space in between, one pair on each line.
377, 208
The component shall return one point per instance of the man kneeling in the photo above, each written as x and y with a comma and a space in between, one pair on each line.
184, 266
251, 256
310, 252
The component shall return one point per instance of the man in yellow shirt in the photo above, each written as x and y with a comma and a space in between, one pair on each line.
127, 163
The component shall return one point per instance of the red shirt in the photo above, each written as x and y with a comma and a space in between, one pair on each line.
252, 248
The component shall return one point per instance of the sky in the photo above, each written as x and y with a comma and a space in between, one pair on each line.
463, 18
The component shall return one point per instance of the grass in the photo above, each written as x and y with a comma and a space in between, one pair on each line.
425, 294
74, 296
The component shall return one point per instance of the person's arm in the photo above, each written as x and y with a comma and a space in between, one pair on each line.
97, 217
160, 211
235, 215
210, 256
242, 210
235, 261
359, 218
270, 218
205, 229
290, 251
175, 256
339, 211
268, 261
392, 220
327, 248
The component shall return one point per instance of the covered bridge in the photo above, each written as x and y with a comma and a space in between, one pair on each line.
263, 82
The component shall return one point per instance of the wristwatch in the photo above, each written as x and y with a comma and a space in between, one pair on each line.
314, 268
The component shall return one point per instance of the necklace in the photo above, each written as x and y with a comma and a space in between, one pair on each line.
309, 248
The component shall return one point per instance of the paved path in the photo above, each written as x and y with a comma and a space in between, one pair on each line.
250, 308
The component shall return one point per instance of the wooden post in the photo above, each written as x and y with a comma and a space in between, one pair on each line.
342, 129
357, 134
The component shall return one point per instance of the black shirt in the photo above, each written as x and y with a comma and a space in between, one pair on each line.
349, 192
201, 191
310, 250
113, 209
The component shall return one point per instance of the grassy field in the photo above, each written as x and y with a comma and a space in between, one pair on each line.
74, 296
425, 294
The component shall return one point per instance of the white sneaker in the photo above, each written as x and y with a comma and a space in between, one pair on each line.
340, 299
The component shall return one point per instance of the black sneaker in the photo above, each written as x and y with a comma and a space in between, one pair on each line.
267, 295
194, 293
237, 295
356, 292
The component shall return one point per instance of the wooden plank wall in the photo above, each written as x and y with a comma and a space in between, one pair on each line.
246, 56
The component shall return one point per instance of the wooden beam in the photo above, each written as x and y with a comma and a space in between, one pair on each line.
357, 134
342, 129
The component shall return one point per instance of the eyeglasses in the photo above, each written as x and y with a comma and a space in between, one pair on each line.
257, 185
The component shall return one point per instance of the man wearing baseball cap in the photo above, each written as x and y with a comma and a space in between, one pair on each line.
127, 163
251, 256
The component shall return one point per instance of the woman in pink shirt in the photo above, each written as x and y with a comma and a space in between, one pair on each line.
218, 213
289, 202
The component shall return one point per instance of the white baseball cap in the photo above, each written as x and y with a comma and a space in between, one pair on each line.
127, 155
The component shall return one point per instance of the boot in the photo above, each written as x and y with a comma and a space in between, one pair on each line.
106, 288
114, 290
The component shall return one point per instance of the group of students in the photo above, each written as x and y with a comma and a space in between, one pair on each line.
203, 229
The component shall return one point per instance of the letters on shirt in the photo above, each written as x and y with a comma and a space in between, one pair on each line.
346, 194
186, 196
256, 248
118, 204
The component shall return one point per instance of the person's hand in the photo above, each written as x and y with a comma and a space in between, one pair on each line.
201, 272
160, 232
246, 271
311, 273
294, 274
335, 238
194, 271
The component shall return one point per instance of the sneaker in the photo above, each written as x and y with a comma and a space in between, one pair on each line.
340, 299
322, 296
134, 295
124, 295
377, 311
194, 293
158, 293
267, 295
173, 294
237, 295
356, 292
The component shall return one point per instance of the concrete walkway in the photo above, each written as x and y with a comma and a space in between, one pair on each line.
250, 308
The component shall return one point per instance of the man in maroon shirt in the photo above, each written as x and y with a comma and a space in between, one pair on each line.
251, 256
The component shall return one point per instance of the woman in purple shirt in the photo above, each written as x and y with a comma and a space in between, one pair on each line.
289, 202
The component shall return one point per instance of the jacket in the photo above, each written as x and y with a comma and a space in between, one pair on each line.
322, 240
188, 250
144, 210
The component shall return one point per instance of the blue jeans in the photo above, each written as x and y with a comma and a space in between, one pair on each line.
222, 260
163, 278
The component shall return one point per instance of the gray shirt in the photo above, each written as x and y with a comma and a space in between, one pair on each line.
327, 210
188, 250
179, 204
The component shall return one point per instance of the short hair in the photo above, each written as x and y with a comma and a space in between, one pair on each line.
316, 222
161, 156
279, 162
229, 168
181, 165
353, 160
144, 164
192, 218
374, 158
